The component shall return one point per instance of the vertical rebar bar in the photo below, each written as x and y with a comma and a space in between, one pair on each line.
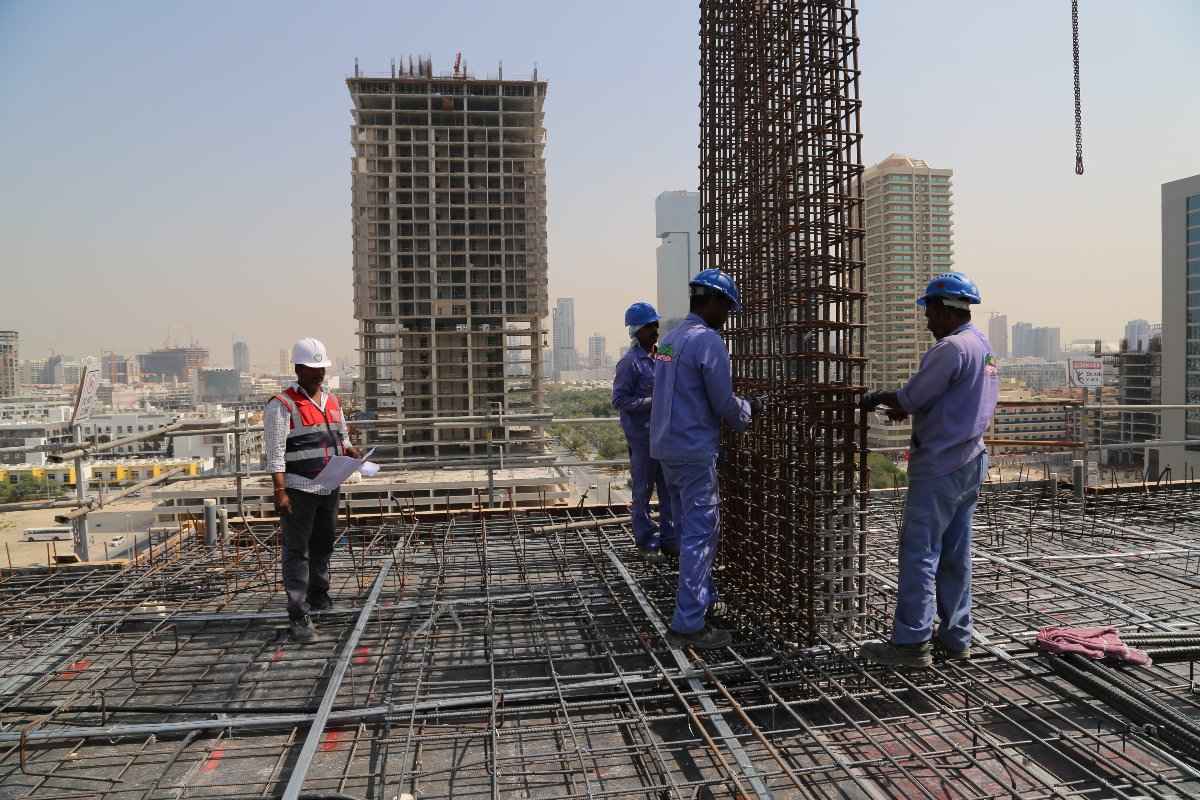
781, 211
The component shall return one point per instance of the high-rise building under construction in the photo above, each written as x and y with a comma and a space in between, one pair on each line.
449, 205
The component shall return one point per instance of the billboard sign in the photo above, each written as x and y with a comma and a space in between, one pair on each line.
1086, 373
85, 396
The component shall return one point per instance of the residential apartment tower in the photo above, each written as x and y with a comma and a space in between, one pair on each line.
909, 239
1181, 320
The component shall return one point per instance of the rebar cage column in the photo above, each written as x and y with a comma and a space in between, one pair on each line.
781, 210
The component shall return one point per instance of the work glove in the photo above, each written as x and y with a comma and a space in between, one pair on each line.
758, 405
870, 401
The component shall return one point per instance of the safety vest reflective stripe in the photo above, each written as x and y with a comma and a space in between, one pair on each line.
306, 440
301, 455
291, 407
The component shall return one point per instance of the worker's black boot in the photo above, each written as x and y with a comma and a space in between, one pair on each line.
320, 602
717, 614
707, 638
302, 630
947, 654
651, 555
891, 654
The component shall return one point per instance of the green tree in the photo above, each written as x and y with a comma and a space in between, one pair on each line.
29, 488
885, 474
569, 402
610, 442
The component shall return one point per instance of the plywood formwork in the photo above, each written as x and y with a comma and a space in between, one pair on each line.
781, 210
449, 188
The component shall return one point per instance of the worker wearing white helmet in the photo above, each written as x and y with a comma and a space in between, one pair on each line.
304, 428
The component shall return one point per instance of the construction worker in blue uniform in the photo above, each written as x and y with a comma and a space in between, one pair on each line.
632, 392
951, 399
693, 395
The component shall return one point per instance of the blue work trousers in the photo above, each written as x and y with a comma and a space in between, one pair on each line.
935, 557
645, 475
696, 508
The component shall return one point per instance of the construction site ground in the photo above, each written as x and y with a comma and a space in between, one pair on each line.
16, 550
522, 655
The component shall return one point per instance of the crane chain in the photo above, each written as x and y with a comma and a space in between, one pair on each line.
1078, 107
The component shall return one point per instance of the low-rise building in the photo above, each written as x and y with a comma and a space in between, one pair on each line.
111, 474
127, 472
1139, 383
34, 409
54, 474
1035, 373
219, 448
32, 434
1036, 419
102, 428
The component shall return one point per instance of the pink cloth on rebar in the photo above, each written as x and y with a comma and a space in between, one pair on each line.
1097, 643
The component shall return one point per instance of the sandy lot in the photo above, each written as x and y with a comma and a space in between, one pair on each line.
21, 553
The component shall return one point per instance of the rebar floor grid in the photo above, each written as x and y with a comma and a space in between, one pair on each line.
508, 657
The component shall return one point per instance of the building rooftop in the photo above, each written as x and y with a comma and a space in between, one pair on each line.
522, 655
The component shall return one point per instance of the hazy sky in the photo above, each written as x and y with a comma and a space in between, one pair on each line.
182, 168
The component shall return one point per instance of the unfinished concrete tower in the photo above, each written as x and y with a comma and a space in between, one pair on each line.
449, 183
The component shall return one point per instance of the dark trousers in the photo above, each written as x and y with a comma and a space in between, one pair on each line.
308, 536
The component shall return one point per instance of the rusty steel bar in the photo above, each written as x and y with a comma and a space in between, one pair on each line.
781, 211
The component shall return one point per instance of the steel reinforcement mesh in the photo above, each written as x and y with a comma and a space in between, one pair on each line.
781, 210
524, 655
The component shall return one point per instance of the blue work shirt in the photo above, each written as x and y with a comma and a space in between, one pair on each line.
632, 389
951, 399
693, 394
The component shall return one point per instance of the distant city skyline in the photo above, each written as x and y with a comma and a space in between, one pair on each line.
236, 236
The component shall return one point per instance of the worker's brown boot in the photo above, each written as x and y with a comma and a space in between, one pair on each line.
890, 654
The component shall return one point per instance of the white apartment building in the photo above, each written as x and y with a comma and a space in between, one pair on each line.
103, 428
677, 226
220, 448
1181, 320
33, 409
1050, 422
910, 238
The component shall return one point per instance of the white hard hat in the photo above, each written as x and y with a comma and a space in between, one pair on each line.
310, 352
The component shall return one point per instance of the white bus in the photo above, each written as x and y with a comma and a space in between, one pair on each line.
55, 534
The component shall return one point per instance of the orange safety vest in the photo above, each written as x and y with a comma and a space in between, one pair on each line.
314, 435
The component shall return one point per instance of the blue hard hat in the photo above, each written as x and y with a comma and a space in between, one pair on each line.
640, 314
714, 280
951, 286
